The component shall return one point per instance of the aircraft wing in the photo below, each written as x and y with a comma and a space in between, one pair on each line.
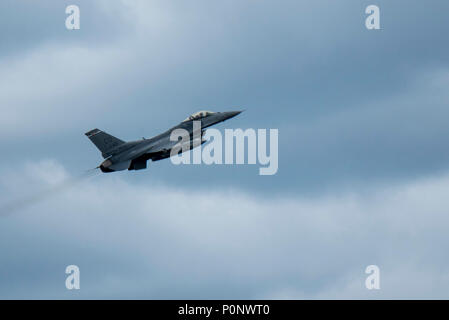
161, 150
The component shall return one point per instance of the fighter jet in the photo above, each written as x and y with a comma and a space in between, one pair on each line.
133, 155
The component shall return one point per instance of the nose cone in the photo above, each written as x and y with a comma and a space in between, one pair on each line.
231, 114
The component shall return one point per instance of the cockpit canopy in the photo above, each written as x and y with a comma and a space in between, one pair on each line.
199, 115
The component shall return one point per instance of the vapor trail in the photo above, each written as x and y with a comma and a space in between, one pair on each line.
19, 204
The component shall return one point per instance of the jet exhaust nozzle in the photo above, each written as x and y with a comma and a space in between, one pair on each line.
104, 166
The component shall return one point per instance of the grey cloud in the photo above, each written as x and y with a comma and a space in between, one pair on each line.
158, 242
362, 161
289, 65
26, 25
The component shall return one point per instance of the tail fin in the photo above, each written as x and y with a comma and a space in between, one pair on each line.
103, 141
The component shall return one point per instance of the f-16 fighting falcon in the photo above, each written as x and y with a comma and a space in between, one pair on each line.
133, 155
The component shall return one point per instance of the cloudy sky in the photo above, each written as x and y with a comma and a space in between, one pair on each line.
363, 164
